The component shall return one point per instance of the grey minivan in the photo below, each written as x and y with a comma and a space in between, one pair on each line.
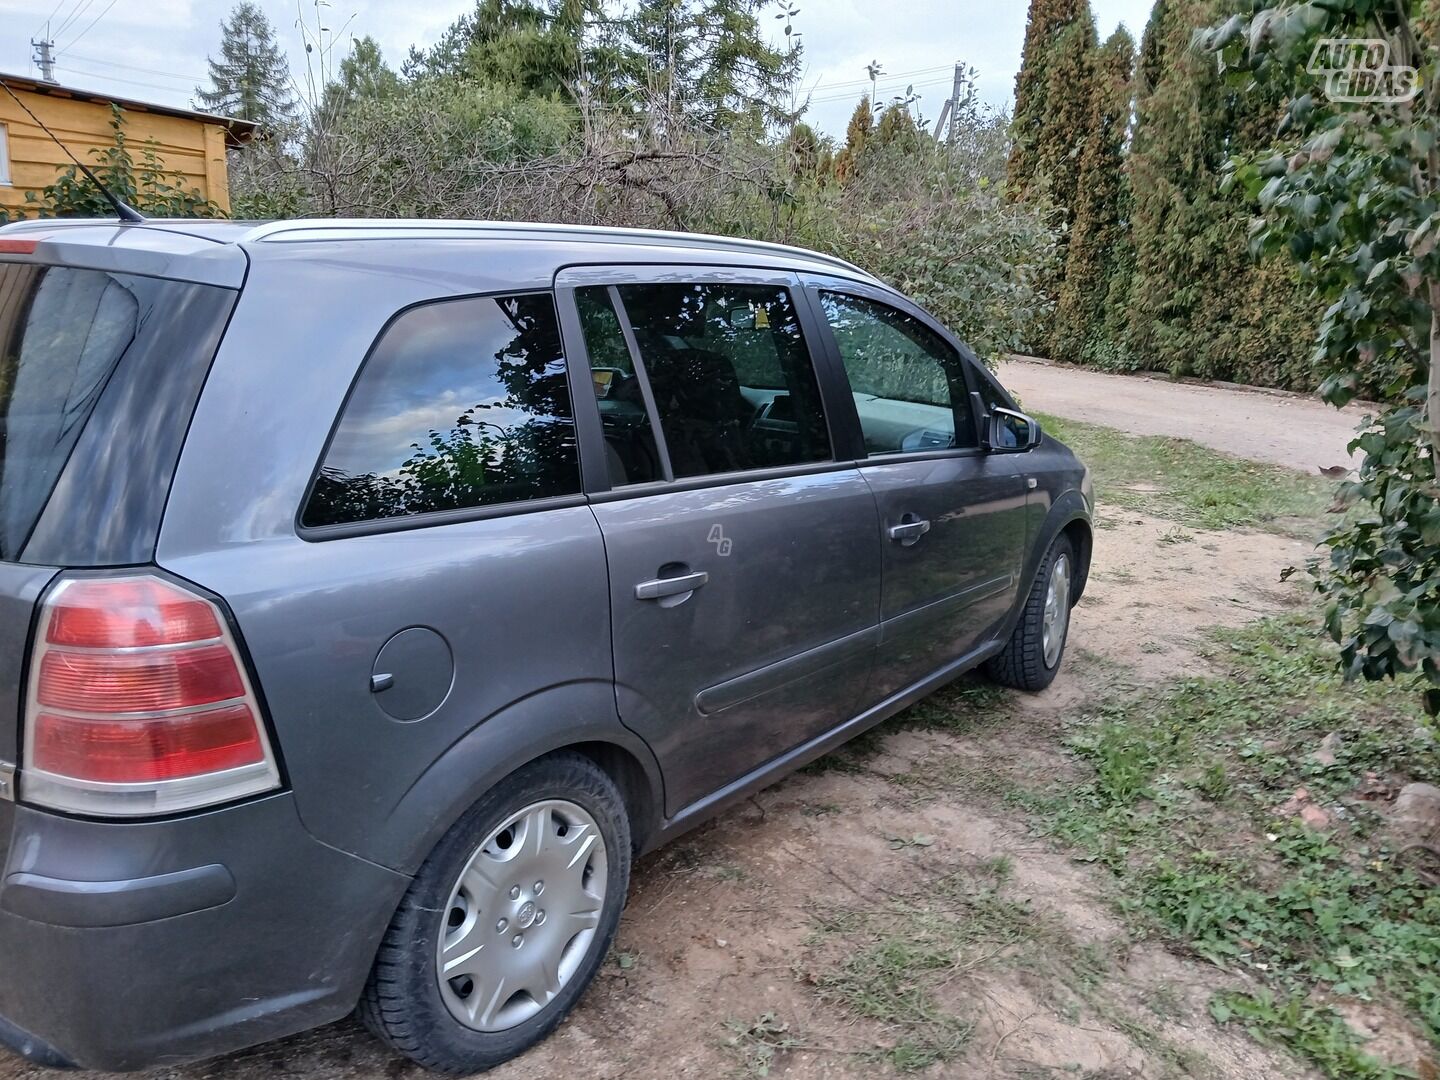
372, 593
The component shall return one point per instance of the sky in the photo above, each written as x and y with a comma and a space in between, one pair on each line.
154, 50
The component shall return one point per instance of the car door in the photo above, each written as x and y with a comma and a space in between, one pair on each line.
952, 517
744, 569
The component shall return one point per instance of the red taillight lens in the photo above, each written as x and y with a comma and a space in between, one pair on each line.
128, 613
139, 703
126, 751
138, 681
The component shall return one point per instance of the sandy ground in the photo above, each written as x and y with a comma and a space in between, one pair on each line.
729, 950
1302, 433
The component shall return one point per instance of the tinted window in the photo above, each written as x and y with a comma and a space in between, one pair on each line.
731, 376
629, 441
62, 333
462, 404
909, 384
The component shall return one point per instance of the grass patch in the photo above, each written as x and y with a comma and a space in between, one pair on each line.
1181, 806
1192, 484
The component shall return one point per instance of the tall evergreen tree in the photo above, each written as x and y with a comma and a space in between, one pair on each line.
363, 76
1098, 246
711, 60
857, 134
1048, 20
251, 78
1198, 303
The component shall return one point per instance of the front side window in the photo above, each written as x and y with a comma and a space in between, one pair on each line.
462, 404
909, 384
731, 376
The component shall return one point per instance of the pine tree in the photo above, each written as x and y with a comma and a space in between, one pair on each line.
710, 60
1048, 20
251, 79
1097, 248
364, 76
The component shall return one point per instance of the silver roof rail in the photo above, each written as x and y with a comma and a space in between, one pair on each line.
300, 230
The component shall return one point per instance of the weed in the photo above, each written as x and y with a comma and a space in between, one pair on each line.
1184, 788
758, 1044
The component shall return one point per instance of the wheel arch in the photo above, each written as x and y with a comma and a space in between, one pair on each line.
1082, 538
578, 717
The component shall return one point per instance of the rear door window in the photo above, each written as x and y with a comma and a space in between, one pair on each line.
731, 376
462, 404
909, 384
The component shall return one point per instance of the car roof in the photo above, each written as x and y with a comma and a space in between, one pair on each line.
190, 238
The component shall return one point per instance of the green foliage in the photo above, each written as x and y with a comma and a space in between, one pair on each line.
1314, 1031
1349, 192
1198, 304
145, 185
1038, 139
251, 78
1098, 249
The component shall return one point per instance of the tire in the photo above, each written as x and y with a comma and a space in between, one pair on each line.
1023, 663
481, 886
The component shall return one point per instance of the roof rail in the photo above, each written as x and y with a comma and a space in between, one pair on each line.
391, 228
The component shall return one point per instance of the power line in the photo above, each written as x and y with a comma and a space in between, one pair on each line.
75, 12
132, 67
87, 29
891, 88
127, 82
58, 5
886, 74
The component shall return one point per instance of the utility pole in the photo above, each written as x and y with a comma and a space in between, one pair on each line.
43, 58
955, 100
951, 111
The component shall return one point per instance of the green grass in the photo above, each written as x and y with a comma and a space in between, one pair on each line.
1181, 808
1192, 484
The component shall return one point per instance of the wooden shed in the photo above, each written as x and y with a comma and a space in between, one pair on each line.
192, 144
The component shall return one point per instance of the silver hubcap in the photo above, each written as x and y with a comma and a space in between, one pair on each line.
1057, 611
522, 916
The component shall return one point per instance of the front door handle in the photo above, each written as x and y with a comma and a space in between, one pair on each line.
670, 586
909, 531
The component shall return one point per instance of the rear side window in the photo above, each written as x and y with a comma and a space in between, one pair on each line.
62, 332
909, 384
731, 375
462, 404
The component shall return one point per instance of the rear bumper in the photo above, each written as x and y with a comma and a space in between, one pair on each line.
127, 945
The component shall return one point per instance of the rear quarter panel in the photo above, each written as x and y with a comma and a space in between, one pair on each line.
522, 600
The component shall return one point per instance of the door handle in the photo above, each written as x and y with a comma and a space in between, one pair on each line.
909, 530
670, 586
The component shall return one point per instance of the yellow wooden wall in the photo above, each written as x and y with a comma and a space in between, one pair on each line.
192, 148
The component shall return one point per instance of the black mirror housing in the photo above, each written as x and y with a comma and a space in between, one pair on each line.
1011, 432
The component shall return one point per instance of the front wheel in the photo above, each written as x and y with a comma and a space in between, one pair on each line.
507, 921
1031, 658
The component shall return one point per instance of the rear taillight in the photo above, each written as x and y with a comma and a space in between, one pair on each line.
139, 703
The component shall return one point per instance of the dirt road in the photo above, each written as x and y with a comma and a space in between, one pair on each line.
1301, 433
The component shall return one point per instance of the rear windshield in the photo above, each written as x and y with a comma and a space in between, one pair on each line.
63, 333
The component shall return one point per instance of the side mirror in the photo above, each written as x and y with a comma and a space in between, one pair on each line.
1011, 432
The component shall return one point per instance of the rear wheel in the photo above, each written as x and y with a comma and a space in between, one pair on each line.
507, 920
1031, 658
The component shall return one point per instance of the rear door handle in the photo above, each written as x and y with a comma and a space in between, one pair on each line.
670, 586
909, 532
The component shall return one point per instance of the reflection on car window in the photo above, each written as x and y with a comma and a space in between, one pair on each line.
631, 456
909, 385
463, 403
731, 375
